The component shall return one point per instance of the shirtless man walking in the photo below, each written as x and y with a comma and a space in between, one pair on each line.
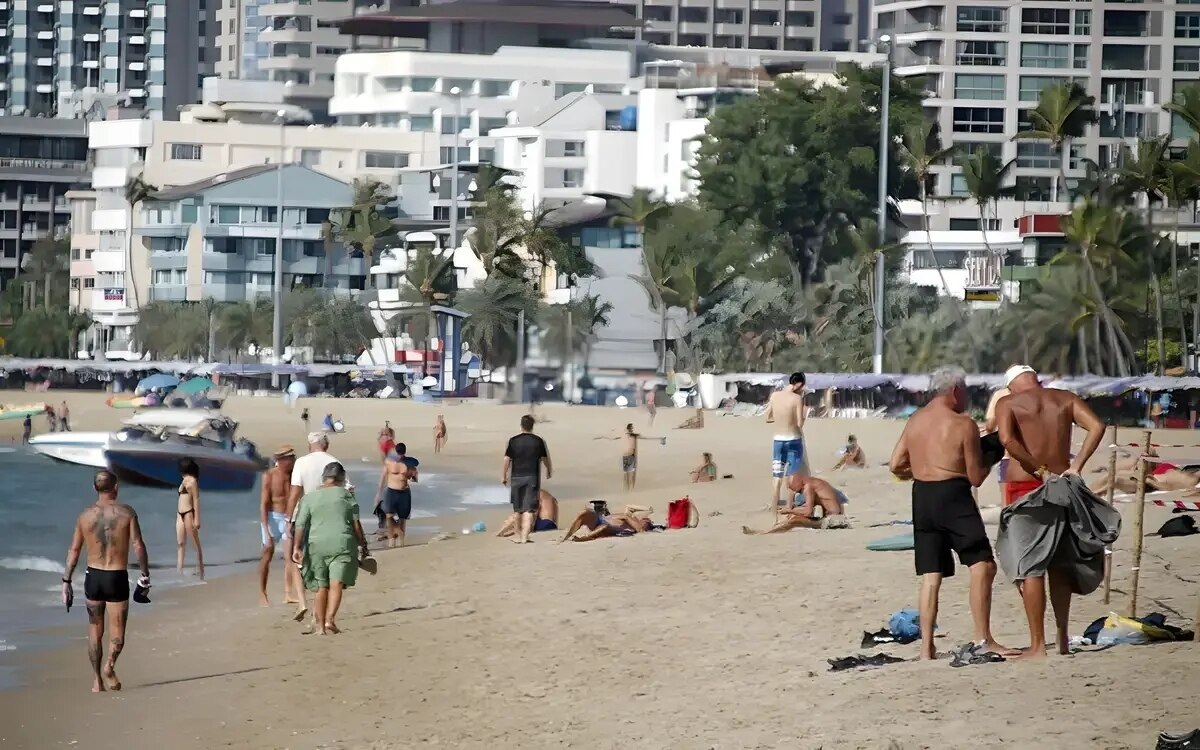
939, 450
439, 434
394, 497
273, 515
108, 529
1035, 426
787, 453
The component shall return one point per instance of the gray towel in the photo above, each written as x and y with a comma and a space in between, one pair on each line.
1062, 526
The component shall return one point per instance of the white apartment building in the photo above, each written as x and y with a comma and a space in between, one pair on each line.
167, 154
984, 63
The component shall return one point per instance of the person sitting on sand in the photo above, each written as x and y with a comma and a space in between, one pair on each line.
693, 423
817, 493
600, 523
547, 516
706, 471
327, 518
852, 456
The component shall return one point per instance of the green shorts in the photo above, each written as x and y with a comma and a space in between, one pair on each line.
319, 570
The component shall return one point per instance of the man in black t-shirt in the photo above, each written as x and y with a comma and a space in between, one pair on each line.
522, 474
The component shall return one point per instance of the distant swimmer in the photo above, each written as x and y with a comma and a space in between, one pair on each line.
629, 454
1035, 426
817, 494
440, 434
273, 515
108, 529
940, 451
786, 409
393, 498
547, 516
188, 511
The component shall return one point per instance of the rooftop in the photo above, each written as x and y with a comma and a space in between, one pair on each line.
415, 21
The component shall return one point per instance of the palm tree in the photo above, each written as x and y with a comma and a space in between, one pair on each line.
1063, 112
640, 210
587, 313
360, 226
494, 306
1055, 310
985, 176
1144, 172
1181, 187
137, 191
921, 148
1186, 105
661, 263
431, 281
245, 324
48, 264
172, 330
498, 234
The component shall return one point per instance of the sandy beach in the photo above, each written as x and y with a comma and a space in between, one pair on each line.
702, 638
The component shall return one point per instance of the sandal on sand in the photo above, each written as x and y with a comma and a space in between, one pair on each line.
973, 653
1182, 741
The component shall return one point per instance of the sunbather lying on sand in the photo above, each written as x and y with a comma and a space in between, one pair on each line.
1161, 476
600, 523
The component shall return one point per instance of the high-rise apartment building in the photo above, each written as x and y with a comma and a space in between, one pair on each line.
284, 41
984, 64
57, 57
796, 25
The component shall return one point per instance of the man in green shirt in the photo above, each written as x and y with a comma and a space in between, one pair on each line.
326, 536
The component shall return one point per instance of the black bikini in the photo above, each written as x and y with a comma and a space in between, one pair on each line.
184, 514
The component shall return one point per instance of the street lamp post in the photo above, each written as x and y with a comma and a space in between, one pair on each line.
885, 95
277, 291
455, 92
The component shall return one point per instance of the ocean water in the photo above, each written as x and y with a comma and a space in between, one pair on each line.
40, 500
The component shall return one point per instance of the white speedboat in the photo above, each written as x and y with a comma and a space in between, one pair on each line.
83, 448
87, 448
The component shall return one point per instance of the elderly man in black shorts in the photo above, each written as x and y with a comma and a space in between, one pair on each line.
522, 474
939, 450
108, 529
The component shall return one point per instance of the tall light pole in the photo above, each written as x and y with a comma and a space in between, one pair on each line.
455, 92
885, 95
277, 291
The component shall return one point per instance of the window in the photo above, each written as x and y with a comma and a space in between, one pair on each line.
984, 20
1080, 59
978, 120
964, 225
1187, 59
693, 15
572, 148
842, 19
572, 178
488, 124
1031, 86
170, 276
291, 49
800, 18
839, 45
562, 89
422, 84
727, 15
658, 13
324, 51
981, 53
1056, 21
446, 154
464, 85
1036, 155
972, 86
1043, 55
493, 89
764, 17
1187, 25
958, 184
1083, 22
385, 160
185, 151
451, 125
1034, 188
310, 157
1128, 90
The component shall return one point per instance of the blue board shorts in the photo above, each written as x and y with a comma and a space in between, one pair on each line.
276, 529
787, 457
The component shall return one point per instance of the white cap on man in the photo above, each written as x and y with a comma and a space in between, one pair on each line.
1015, 372
317, 438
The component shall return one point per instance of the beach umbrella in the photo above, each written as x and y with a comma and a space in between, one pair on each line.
161, 380
195, 385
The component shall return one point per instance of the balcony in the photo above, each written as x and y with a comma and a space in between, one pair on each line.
108, 299
1126, 23
1124, 57
168, 292
269, 230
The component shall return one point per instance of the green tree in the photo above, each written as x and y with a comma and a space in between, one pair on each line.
137, 191
172, 330
799, 162
44, 332
586, 314
985, 176
494, 306
243, 324
921, 149
639, 210
1063, 112
1181, 188
361, 225
430, 281
48, 266
1186, 106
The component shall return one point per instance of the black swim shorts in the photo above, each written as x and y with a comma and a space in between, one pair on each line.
946, 520
397, 503
106, 585
523, 493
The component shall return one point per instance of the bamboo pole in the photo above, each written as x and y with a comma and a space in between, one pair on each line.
1112, 488
1139, 513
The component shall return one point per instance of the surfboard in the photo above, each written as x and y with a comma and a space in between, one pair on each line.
897, 543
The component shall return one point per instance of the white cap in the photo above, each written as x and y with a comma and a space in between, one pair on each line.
1015, 372
317, 437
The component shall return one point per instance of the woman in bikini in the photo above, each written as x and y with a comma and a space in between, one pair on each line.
188, 509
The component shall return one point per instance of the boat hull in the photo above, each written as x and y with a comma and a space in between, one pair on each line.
219, 470
81, 448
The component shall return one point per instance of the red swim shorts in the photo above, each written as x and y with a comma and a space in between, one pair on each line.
1014, 491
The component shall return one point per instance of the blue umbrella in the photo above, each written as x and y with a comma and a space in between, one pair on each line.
161, 380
